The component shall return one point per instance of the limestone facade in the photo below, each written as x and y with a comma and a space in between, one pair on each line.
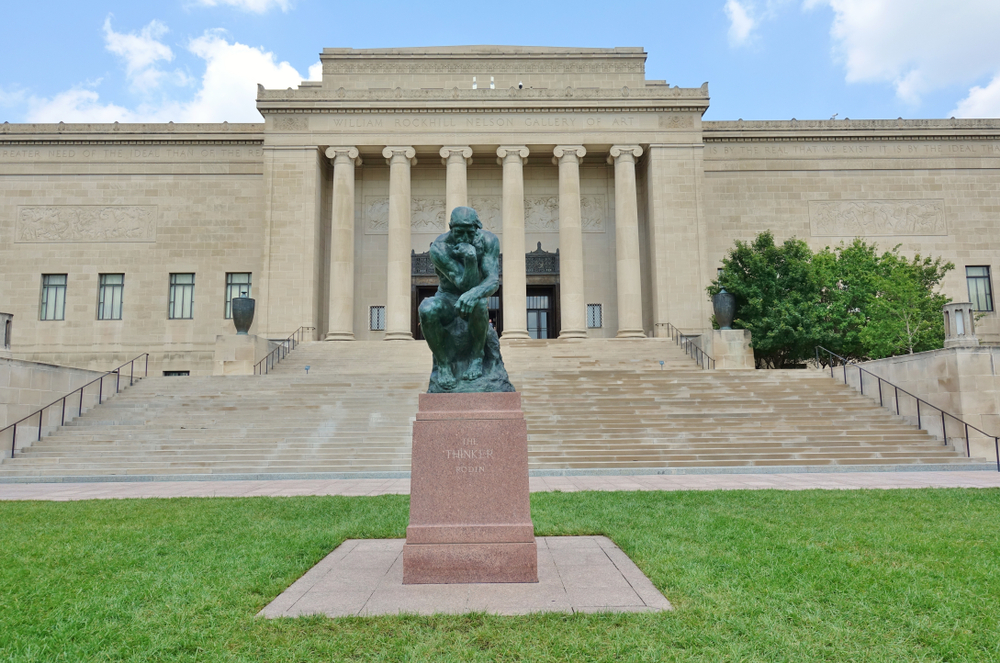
329, 201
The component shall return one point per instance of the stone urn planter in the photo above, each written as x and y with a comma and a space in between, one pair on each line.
724, 304
243, 308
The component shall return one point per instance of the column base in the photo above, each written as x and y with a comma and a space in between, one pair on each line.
509, 334
572, 333
631, 333
339, 336
398, 336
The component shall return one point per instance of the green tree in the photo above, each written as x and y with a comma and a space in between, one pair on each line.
777, 289
905, 313
851, 299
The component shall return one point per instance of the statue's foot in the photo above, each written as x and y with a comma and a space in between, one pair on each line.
474, 371
445, 379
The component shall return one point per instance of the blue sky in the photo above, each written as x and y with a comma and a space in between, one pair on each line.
200, 60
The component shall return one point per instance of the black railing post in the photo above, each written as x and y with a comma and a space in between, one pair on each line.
918, 413
861, 379
880, 399
131, 371
996, 445
13, 442
944, 429
62, 421
100, 391
897, 401
968, 448
80, 411
40, 425
118, 381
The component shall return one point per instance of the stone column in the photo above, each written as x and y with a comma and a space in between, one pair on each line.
515, 311
627, 241
457, 159
397, 302
340, 321
571, 298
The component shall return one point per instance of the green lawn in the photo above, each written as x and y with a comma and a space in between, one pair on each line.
897, 575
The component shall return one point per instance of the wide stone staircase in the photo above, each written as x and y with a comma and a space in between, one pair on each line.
590, 405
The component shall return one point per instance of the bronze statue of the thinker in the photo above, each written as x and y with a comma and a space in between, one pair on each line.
455, 321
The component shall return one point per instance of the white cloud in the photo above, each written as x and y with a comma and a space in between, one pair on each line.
227, 92
255, 6
232, 72
916, 45
741, 23
11, 98
316, 72
981, 102
141, 52
77, 105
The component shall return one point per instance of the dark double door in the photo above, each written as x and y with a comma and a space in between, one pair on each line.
541, 309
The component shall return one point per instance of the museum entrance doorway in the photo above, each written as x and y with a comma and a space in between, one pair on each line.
541, 301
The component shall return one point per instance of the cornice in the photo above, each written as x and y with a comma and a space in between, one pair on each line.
780, 131
318, 93
73, 141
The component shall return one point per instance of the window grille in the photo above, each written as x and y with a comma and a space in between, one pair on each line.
594, 316
181, 297
376, 318
980, 292
109, 297
237, 285
53, 297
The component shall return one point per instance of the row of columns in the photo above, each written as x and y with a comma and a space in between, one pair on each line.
512, 158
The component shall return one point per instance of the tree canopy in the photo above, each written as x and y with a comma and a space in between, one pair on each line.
850, 299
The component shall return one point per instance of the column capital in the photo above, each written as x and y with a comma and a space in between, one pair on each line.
344, 152
577, 151
460, 151
400, 151
618, 151
512, 151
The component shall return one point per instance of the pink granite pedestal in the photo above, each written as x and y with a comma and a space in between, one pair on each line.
470, 519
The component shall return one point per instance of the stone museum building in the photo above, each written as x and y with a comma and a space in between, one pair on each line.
613, 200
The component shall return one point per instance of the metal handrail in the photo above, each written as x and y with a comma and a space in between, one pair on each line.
132, 379
690, 348
898, 390
264, 366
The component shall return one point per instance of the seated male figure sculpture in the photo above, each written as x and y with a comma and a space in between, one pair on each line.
455, 321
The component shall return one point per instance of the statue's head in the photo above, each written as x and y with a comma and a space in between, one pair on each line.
464, 224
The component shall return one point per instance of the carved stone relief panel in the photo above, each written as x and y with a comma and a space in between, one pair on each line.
876, 218
541, 214
488, 208
291, 123
86, 223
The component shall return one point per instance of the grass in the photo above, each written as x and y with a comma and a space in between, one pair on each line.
900, 575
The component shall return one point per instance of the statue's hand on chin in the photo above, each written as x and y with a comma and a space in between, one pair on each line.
465, 250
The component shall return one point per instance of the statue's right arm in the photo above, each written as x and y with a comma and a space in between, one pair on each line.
445, 264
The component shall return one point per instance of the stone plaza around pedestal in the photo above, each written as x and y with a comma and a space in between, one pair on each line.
613, 199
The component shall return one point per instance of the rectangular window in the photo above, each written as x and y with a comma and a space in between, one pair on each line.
980, 292
176, 374
181, 297
109, 296
376, 318
237, 285
594, 317
53, 297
